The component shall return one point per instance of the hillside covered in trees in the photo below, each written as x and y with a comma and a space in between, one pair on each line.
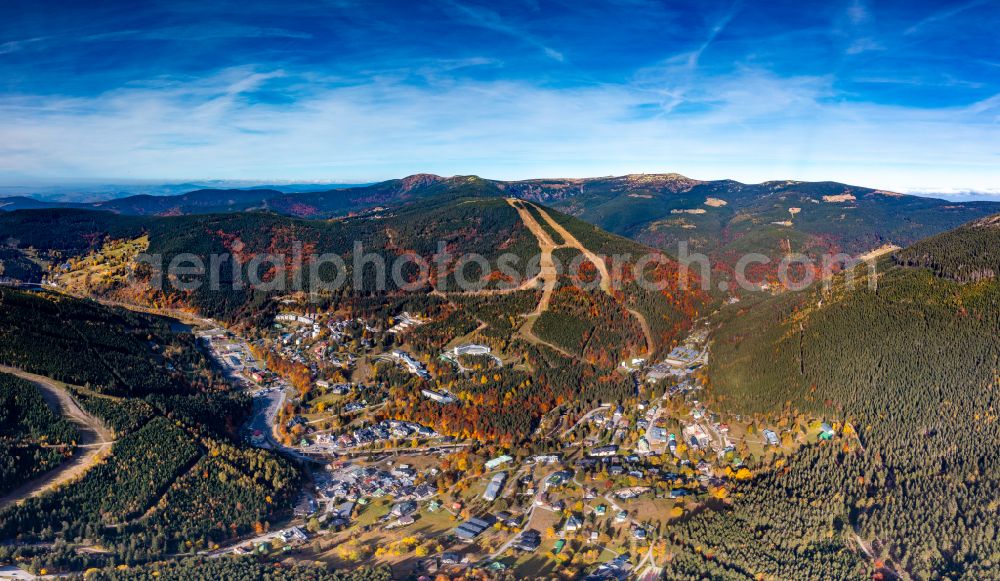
112, 351
668, 298
176, 479
724, 219
468, 219
970, 254
371, 244
910, 368
33, 439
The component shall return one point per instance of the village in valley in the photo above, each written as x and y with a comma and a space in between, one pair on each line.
381, 403
598, 490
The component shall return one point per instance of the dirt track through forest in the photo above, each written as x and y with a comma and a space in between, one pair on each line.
548, 272
548, 276
94, 443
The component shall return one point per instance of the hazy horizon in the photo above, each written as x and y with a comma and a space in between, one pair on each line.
94, 189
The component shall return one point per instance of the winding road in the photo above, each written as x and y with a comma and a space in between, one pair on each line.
94, 444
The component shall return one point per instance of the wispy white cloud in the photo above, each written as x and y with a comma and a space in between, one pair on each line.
858, 13
200, 32
491, 20
18, 45
713, 32
988, 106
751, 125
861, 45
675, 76
945, 14
857, 27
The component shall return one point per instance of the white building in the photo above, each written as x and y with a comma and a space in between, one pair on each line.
682, 357
696, 436
411, 364
441, 398
497, 462
603, 451
403, 322
471, 349
293, 318
494, 487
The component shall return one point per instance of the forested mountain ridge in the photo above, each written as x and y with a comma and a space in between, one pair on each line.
488, 227
911, 368
723, 219
465, 222
314, 204
969, 254
114, 351
726, 220
461, 220
720, 217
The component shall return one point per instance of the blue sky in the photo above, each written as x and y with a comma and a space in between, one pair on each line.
900, 95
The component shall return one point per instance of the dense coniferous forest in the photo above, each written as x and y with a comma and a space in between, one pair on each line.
65, 230
175, 478
227, 494
113, 351
27, 428
137, 473
911, 369
15, 265
122, 416
592, 325
502, 314
433, 336
789, 523
970, 254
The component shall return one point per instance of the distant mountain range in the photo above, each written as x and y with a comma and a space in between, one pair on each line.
727, 219
98, 192
722, 218
326, 203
